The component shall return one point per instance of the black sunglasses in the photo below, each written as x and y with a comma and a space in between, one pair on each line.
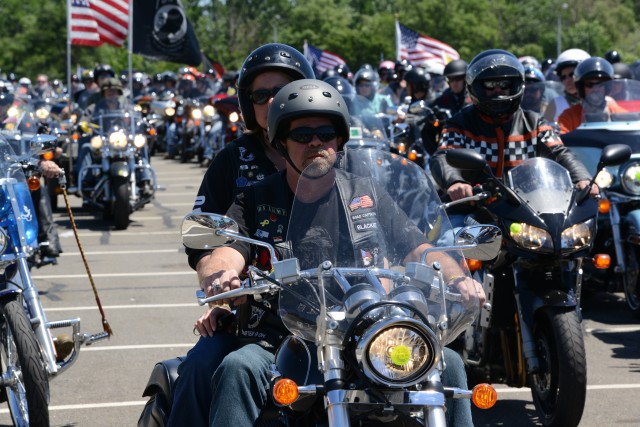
502, 84
589, 85
304, 135
564, 77
261, 96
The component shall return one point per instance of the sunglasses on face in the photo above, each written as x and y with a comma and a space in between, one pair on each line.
493, 84
304, 135
365, 84
261, 96
564, 77
455, 78
589, 85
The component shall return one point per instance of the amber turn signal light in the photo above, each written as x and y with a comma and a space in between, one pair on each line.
602, 261
412, 156
285, 391
484, 396
474, 264
604, 206
33, 183
48, 155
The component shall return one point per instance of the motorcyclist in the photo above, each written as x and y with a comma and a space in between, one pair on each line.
496, 126
456, 95
613, 56
308, 130
595, 99
367, 84
533, 90
566, 63
101, 73
90, 87
435, 68
242, 163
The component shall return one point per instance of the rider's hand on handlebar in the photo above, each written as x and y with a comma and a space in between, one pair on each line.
469, 287
50, 169
595, 190
459, 190
223, 281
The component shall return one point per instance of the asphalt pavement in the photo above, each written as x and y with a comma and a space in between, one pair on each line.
148, 294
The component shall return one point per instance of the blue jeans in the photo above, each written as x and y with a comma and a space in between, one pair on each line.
192, 395
458, 410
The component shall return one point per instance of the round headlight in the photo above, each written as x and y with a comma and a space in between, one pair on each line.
397, 353
209, 110
139, 141
196, 114
630, 177
4, 241
42, 113
12, 112
530, 237
118, 139
604, 179
234, 117
170, 111
137, 108
96, 142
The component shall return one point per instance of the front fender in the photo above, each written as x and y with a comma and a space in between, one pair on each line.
531, 302
632, 226
9, 294
120, 169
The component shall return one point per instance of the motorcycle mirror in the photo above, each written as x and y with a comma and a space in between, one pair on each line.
466, 158
203, 230
41, 143
614, 154
418, 107
481, 242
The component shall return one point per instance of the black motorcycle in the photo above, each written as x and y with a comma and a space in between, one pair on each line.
530, 334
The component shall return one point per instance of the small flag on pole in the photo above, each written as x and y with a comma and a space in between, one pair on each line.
417, 48
321, 60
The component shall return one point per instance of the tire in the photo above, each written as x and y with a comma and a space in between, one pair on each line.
121, 204
559, 388
630, 279
28, 398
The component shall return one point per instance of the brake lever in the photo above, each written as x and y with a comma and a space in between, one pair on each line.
266, 288
475, 198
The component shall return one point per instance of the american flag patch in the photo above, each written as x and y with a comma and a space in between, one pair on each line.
360, 202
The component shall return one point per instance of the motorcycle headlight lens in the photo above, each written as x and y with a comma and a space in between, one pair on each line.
397, 354
137, 108
209, 111
234, 117
196, 114
630, 177
42, 113
4, 241
170, 111
530, 237
139, 141
96, 142
12, 112
577, 236
604, 179
118, 139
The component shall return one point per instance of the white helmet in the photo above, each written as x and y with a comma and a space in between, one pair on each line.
570, 58
433, 66
25, 81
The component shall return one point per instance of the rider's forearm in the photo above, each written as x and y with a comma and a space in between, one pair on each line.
221, 259
449, 266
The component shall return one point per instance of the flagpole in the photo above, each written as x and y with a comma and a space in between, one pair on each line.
69, 55
130, 49
397, 39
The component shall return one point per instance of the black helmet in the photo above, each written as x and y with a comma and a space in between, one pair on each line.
6, 98
328, 73
622, 71
418, 78
546, 64
103, 70
169, 76
344, 87
302, 98
342, 70
275, 57
495, 64
613, 56
592, 68
457, 67
533, 74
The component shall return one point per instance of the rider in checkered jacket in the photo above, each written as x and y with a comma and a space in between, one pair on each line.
496, 126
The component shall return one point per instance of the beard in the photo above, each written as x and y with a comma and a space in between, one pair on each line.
318, 163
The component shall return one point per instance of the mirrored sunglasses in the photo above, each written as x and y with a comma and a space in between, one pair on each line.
262, 96
493, 84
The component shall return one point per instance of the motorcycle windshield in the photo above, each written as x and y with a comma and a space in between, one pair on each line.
363, 216
367, 127
612, 101
544, 184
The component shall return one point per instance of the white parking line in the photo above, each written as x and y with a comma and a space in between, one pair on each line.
594, 387
78, 276
136, 347
120, 307
612, 330
137, 252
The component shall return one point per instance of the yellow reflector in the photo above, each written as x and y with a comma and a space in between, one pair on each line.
33, 183
400, 355
285, 391
604, 206
474, 264
602, 261
484, 396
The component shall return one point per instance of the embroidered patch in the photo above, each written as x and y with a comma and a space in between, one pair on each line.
365, 226
271, 209
245, 155
262, 234
256, 315
242, 182
361, 202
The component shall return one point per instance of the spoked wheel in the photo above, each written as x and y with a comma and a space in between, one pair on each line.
559, 388
630, 279
121, 212
23, 371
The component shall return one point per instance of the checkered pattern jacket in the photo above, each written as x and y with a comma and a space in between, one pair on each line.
504, 145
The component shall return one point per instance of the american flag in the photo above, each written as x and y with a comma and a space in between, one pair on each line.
418, 48
94, 22
360, 202
321, 60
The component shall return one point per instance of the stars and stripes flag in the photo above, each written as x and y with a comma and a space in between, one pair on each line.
321, 60
417, 48
94, 22
361, 202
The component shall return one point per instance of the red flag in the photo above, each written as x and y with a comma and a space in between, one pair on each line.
94, 22
417, 48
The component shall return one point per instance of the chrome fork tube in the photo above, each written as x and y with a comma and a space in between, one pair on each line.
332, 367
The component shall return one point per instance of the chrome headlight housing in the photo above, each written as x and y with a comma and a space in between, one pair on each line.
42, 113
398, 352
530, 237
118, 140
577, 236
4, 241
630, 178
139, 140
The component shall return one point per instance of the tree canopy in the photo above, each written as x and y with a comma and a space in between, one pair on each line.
34, 40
